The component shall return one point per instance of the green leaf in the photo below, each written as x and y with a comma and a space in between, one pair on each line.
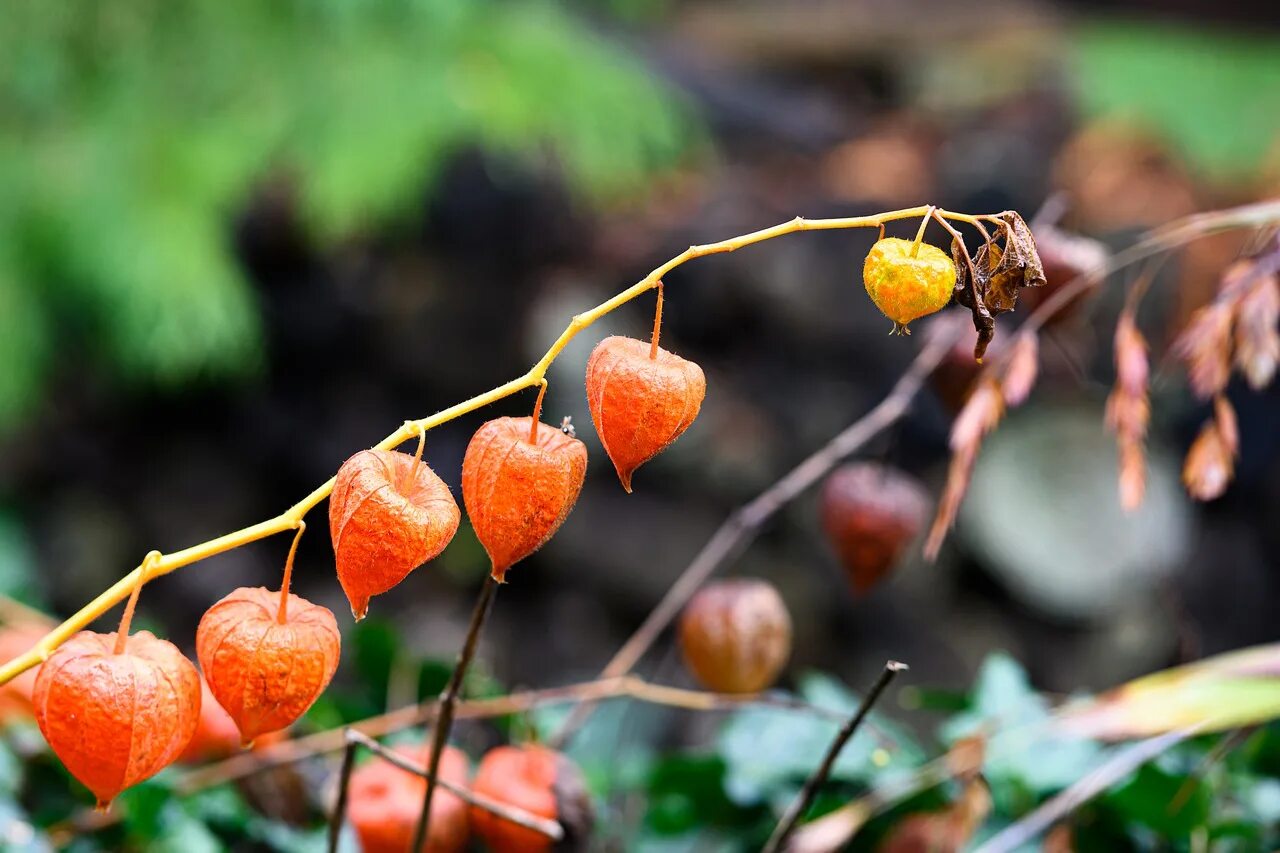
687, 791
1021, 763
1214, 93
17, 560
768, 751
1169, 804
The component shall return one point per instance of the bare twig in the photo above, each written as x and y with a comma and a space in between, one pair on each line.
1124, 762
544, 826
340, 805
625, 687
742, 527
810, 790
449, 700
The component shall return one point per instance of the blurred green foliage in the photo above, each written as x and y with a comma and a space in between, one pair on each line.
1216, 94
133, 131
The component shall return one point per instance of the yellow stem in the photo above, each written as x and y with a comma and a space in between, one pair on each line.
288, 520
282, 613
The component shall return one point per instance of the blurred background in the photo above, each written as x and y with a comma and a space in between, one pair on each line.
239, 241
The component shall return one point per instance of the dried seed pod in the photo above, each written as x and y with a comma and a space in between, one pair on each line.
871, 513
266, 664
736, 635
116, 719
519, 488
907, 280
540, 781
216, 735
388, 514
385, 802
641, 399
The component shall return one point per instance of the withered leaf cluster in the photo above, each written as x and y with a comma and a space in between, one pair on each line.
988, 282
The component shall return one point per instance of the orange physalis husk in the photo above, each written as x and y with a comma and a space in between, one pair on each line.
116, 719
640, 403
388, 514
216, 734
266, 668
540, 781
736, 635
385, 801
871, 513
15, 697
518, 492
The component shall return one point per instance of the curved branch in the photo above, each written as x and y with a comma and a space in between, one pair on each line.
288, 520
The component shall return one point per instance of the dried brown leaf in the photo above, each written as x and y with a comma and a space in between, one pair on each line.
970, 285
1128, 411
1205, 347
981, 413
1257, 340
965, 758
990, 285
1224, 416
1021, 370
1133, 475
1132, 368
1014, 267
1210, 464
958, 475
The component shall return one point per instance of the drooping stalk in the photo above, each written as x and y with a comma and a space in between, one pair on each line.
657, 325
282, 613
122, 632
537, 413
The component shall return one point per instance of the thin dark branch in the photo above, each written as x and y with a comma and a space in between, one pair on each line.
449, 701
544, 826
340, 807
802, 801
742, 527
